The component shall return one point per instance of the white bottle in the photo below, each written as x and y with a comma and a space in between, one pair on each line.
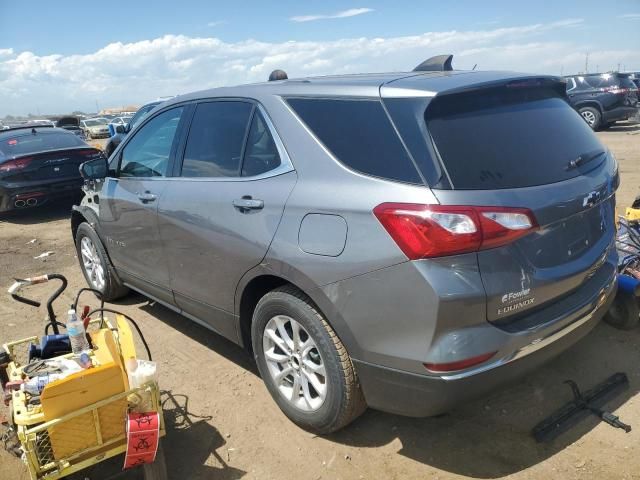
35, 385
77, 334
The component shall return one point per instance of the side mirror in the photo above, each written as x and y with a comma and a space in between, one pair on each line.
121, 129
97, 169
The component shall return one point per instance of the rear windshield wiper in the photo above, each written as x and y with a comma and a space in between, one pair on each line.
585, 158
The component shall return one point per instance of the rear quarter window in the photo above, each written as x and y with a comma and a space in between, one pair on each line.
359, 134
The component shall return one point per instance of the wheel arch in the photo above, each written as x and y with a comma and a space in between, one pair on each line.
259, 281
590, 103
84, 214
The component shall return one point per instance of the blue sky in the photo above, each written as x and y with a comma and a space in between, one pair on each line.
69, 56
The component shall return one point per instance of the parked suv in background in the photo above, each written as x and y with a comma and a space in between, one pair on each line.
404, 241
603, 98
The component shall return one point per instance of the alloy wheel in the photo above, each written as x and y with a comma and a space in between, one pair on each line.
589, 117
92, 264
295, 363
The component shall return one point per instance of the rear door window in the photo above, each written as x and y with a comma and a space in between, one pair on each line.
216, 138
359, 134
602, 81
502, 138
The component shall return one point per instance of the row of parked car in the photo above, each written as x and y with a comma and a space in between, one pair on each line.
88, 128
604, 98
403, 241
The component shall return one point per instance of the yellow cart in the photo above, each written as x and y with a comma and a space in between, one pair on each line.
80, 420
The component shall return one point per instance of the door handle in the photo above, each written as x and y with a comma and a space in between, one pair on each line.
246, 204
146, 197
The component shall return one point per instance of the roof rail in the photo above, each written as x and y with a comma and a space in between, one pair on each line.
439, 63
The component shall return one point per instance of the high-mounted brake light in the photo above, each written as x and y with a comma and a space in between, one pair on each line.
426, 231
18, 164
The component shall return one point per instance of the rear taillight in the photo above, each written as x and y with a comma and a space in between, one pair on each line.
17, 164
460, 364
426, 231
90, 153
616, 90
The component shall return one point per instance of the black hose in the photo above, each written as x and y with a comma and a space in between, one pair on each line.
52, 316
144, 342
98, 294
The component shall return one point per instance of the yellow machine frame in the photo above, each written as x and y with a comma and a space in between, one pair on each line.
32, 429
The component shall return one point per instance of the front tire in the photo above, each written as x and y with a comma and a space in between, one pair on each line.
592, 116
624, 313
95, 264
303, 363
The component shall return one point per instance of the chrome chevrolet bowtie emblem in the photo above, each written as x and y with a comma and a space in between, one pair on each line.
591, 199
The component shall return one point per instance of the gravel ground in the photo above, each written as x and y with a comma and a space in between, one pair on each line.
223, 424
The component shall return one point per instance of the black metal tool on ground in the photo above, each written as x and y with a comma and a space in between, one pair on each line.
584, 404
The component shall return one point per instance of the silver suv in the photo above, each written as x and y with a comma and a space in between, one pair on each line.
400, 241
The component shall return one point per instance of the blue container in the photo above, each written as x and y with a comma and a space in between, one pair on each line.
629, 284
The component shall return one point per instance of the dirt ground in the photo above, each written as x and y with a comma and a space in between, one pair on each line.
222, 424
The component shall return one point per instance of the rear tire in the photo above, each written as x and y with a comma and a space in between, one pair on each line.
96, 266
624, 313
592, 117
321, 393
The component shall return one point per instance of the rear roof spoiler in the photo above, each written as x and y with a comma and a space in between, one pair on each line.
27, 127
439, 63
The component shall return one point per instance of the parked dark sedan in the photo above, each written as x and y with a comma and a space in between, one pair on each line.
603, 98
38, 164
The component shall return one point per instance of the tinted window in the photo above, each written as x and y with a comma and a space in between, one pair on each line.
626, 82
140, 114
505, 138
582, 84
148, 152
216, 137
602, 81
38, 142
359, 134
261, 153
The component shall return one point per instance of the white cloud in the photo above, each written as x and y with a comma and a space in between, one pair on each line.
139, 72
630, 16
352, 12
216, 23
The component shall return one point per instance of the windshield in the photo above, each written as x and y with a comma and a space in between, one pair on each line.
140, 114
39, 142
94, 123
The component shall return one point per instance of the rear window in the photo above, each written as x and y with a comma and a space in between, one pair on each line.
509, 138
627, 82
38, 142
359, 134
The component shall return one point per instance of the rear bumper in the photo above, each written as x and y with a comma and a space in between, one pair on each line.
620, 113
12, 195
415, 395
